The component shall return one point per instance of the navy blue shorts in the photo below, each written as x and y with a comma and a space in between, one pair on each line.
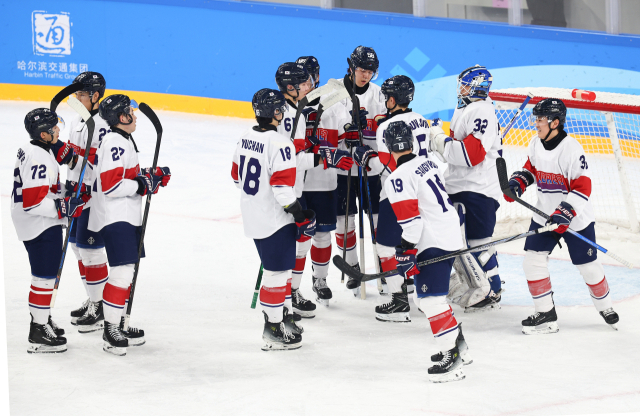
374, 189
389, 232
433, 280
80, 234
579, 251
121, 240
45, 252
278, 251
480, 213
323, 203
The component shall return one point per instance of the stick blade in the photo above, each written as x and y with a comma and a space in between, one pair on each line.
151, 115
503, 176
344, 267
79, 108
64, 93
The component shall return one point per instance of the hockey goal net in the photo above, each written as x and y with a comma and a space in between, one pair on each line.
608, 128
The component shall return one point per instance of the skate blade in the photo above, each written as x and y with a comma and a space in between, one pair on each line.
466, 358
305, 314
546, 328
119, 351
136, 342
486, 308
85, 329
74, 321
277, 346
454, 375
356, 292
614, 326
46, 349
384, 291
323, 302
398, 317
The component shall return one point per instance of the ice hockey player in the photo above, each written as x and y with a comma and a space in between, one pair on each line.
319, 195
398, 92
38, 213
557, 165
116, 214
294, 81
472, 183
264, 169
372, 104
88, 246
430, 227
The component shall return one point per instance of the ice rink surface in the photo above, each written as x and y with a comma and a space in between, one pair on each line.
202, 354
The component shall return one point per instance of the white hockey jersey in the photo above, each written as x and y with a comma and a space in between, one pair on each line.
304, 161
264, 168
78, 140
36, 184
371, 101
423, 207
561, 175
114, 194
472, 153
385, 164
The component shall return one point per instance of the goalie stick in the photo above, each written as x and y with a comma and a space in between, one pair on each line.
151, 115
64, 93
503, 177
349, 271
90, 123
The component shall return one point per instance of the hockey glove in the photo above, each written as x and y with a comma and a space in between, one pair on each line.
351, 136
518, 183
70, 206
310, 114
363, 119
305, 221
165, 172
71, 187
311, 142
334, 158
437, 138
406, 259
562, 216
64, 153
362, 154
381, 118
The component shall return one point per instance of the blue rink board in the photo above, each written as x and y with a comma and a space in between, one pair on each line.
568, 286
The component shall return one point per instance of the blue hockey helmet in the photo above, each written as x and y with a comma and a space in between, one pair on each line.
473, 83
312, 65
268, 103
114, 105
42, 120
400, 87
551, 108
367, 59
295, 75
398, 137
91, 82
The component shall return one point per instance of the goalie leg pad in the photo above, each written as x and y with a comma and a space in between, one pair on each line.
488, 260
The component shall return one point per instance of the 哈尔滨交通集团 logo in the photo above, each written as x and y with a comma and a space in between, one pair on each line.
51, 33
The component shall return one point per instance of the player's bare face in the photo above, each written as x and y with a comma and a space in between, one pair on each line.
51, 138
85, 98
129, 128
363, 76
303, 89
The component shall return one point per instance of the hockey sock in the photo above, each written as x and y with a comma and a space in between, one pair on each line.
444, 325
287, 296
81, 268
126, 302
537, 273
298, 270
388, 262
40, 299
352, 255
321, 254
593, 275
273, 293
97, 274
541, 293
116, 292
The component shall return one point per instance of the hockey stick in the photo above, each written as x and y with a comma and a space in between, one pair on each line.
503, 176
64, 93
515, 116
345, 268
257, 289
330, 100
151, 115
363, 287
90, 123
346, 221
318, 92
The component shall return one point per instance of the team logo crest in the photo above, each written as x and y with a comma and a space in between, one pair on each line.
51, 33
424, 288
590, 252
91, 240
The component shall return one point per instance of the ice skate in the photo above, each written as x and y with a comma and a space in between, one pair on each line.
610, 317
353, 284
301, 306
396, 310
448, 369
43, 339
277, 337
322, 291
114, 340
290, 323
491, 302
135, 336
410, 285
59, 331
463, 349
93, 319
79, 313
541, 323
385, 288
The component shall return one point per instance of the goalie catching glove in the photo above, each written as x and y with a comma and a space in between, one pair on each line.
150, 182
562, 216
70, 206
305, 221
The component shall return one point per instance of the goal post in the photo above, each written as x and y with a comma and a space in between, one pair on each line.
608, 127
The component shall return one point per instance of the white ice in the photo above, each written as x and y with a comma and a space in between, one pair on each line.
203, 355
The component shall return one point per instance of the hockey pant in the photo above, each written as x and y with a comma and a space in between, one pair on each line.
536, 271
273, 293
352, 255
92, 264
441, 320
320, 246
116, 293
388, 262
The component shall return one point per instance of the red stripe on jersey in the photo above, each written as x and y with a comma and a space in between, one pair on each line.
320, 255
582, 185
474, 148
285, 177
451, 134
33, 196
386, 160
234, 171
442, 322
111, 178
539, 287
599, 289
528, 166
330, 135
272, 295
300, 145
131, 173
40, 300
406, 209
